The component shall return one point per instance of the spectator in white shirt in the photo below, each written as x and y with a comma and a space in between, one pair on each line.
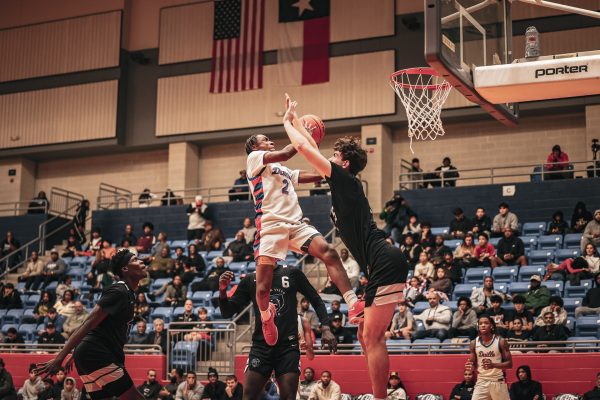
436, 319
351, 266
326, 389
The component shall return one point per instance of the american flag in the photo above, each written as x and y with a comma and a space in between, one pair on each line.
239, 27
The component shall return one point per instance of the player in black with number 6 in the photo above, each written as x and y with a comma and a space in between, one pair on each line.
383, 264
284, 356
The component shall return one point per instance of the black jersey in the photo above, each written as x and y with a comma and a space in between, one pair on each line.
287, 282
117, 302
353, 217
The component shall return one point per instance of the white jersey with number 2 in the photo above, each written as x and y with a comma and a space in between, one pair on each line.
273, 189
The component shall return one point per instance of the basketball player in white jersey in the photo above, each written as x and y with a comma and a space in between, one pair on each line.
279, 227
491, 354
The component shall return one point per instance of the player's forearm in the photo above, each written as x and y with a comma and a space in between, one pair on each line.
309, 177
298, 139
300, 128
227, 307
94, 319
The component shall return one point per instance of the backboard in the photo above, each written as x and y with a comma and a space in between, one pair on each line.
462, 35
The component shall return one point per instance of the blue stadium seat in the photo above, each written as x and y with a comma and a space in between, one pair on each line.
572, 240
476, 275
577, 291
502, 286
463, 289
530, 242
52, 286
425, 341
588, 326
420, 307
28, 317
440, 231
28, 331
213, 254
505, 274
20, 287
31, 300
202, 298
518, 288
6, 327
533, 228
77, 273
555, 287
184, 356
398, 344
570, 304
561, 255
165, 313
551, 242
251, 267
179, 243
453, 304
158, 283
453, 244
541, 256
178, 311
571, 324
494, 241
13, 316
80, 261
527, 271
238, 266
583, 345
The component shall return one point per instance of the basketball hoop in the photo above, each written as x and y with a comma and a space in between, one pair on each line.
423, 94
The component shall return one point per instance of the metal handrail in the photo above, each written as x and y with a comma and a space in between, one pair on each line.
69, 198
119, 194
15, 207
55, 348
250, 311
493, 174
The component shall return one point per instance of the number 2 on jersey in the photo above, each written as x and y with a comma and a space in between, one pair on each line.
285, 190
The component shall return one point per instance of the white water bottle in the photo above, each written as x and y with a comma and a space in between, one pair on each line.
532, 42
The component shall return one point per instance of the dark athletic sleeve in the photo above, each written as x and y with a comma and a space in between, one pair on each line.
240, 299
114, 301
312, 296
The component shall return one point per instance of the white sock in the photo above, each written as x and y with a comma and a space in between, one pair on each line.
265, 314
350, 298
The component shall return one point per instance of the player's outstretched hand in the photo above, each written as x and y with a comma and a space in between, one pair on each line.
50, 368
290, 111
225, 280
328, 340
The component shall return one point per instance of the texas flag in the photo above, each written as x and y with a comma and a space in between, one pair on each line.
303, 54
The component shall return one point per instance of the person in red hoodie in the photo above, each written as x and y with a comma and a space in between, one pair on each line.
557, 162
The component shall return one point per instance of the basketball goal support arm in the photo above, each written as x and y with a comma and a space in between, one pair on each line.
561, 7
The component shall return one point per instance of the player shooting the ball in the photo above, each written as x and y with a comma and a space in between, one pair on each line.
383, 264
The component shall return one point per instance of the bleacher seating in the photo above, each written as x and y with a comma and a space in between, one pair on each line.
561, 255
570, 304
555, 287
550, 242
476, 275
541, 256
530, 242
527, 271
572, 240
588, 326
533, 228
505, 274
577, 290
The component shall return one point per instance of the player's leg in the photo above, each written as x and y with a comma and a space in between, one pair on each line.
481, 391
287, 371
377, 320
499, 391
254, 385
288, 385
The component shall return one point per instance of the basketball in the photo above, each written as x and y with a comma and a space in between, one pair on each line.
314, 125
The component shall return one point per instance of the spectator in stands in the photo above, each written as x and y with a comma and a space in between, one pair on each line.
145, 199
441, 281
416, 174
452, 267
525, 388
436, 319
128, 234
75, 320
33, 386
438, 251
465, 389
500, 316
557, 163
33, 269
481, 223
549, 332
9, 245
249, 230
464, 254
211, 282
510, 250
362, 286
516, 336
187, 316
66, 284
234, 390
141, 308
464, 320
198, 213
238, 250
169, 198
485, 253
593, 394
195, 260
107, 250
590, 305
127, 245
396, 214
72, 248
179, 260
70, 392
591, 233
13, 338
342, 334
54, 317
444, 175
50, 336
557, 226
538, 296
351, 266
140, 336
319, 190
53, 270
147, 239
411, 251
240, 186
59, 385
307, 385
424, 270
66, 305
214, 389
413, 228
175, 377
11, 299
584, 267
326, 389
39, 204
212, 239
414, 291
522, 313
426, 238
190, 389
151, 388
481, 297
335, 311
403, 324
95, 243
395, 387
175, 293
504, 219
187, 275
47, 393
159, 335
309, 315
460, 225
557, 308
580, 217
161, 243
162, 265
41, 308
7, 387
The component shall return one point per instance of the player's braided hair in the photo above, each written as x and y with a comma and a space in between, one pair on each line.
120, 261
351, 151
250, 143
492, 322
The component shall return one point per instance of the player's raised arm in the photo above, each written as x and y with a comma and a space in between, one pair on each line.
298, 124
303, 145
280, 155
309, 177
240, 299
506, 356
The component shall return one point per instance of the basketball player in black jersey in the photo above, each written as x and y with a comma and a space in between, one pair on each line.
284, 356
383, 264
98, 343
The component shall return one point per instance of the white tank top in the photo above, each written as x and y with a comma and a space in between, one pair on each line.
491, 352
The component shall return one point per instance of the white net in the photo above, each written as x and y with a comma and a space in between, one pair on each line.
423, 94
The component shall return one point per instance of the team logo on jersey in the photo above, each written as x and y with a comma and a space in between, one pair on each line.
255, 362
277, 297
